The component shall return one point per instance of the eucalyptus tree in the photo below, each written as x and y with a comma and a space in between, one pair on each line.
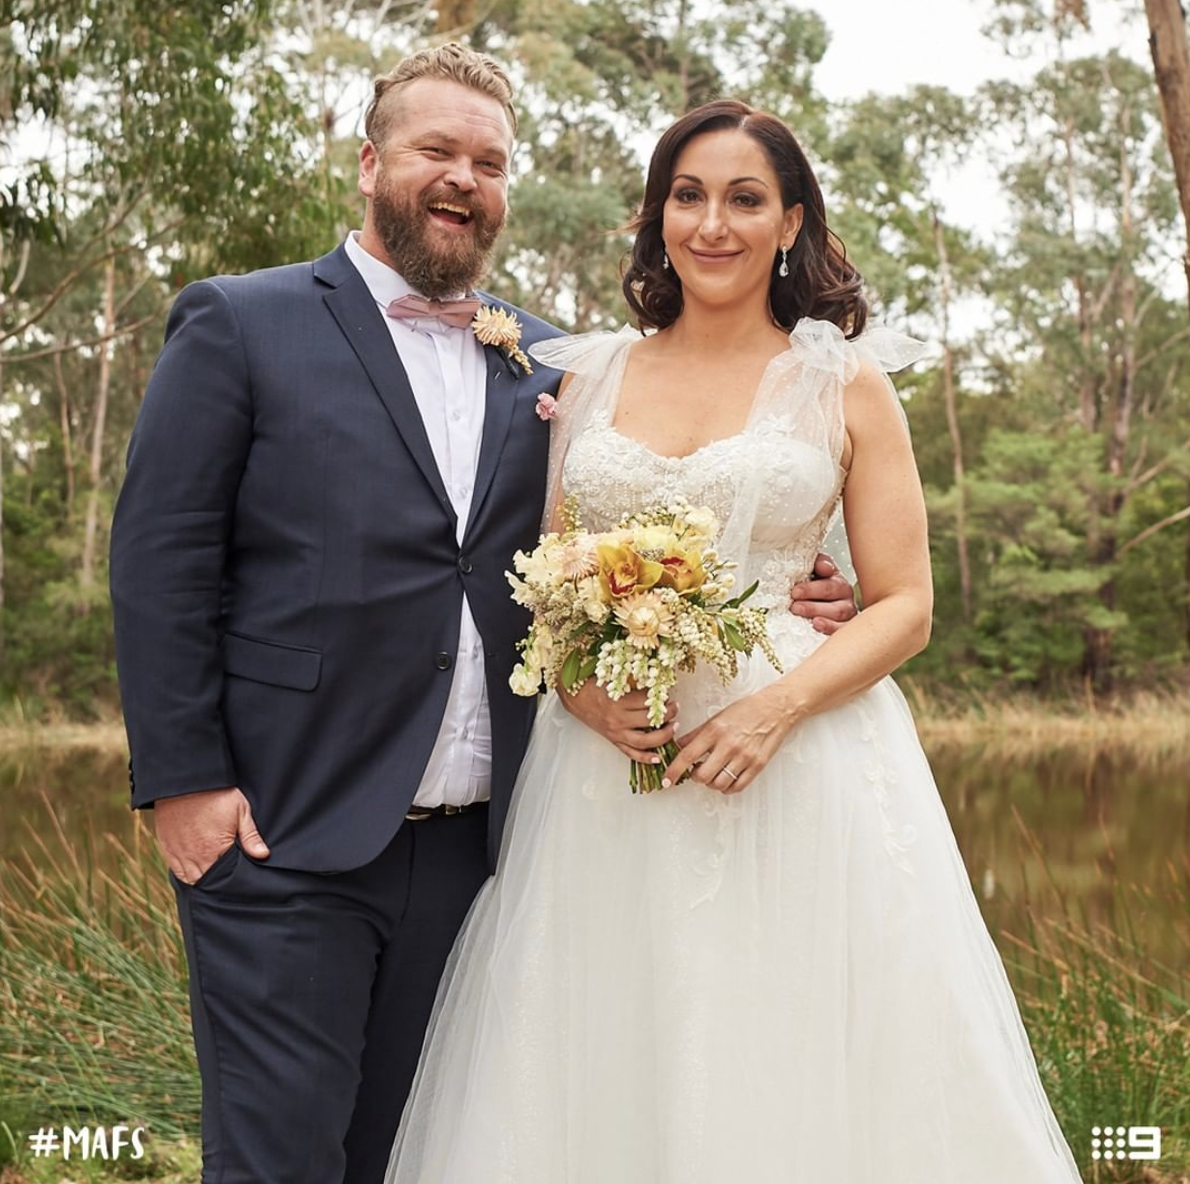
1083, 289
886, 162
142, 143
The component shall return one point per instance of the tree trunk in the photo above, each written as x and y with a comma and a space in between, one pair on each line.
67, 440
1, 518
1187, 569
1120, 425
1171, 65
87, 575
952, 420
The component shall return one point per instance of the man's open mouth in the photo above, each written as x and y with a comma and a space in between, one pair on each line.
447, 211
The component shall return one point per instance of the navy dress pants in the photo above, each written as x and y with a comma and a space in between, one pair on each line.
310, 996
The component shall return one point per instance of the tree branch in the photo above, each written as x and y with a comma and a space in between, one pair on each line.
1149, 531
70, 347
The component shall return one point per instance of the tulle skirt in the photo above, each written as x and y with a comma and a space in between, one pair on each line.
791, 984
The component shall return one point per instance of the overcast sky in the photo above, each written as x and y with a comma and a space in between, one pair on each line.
890, 45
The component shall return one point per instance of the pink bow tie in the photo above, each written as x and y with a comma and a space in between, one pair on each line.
458, 314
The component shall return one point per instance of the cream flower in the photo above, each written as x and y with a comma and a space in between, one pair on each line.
498, 327
594, 603
701, 522
646, 617
524, 682
579, 557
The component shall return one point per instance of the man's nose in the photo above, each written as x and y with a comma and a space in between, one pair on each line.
460, 175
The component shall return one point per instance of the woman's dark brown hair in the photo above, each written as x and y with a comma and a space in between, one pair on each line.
821, 282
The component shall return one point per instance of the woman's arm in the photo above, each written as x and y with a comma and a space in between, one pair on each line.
884, 511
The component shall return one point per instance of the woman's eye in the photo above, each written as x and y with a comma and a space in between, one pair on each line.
686, 195
747, 199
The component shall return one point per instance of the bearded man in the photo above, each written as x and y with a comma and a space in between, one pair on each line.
326, 483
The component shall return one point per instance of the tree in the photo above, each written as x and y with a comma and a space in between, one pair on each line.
1171, 66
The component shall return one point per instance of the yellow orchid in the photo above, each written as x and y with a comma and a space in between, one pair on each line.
682, 571
622, 571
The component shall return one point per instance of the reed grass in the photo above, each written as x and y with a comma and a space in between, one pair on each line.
94, 1017
94, 1020
1109, 1023
1148, 726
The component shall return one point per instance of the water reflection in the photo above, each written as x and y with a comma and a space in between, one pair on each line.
1101, 834
1073, 831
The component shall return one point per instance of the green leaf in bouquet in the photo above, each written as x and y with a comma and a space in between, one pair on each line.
733, 636
571, 669
587, 668
736, 601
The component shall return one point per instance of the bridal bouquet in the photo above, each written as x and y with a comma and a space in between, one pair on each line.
633, 606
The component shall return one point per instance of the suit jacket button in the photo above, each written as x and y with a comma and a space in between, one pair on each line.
444, 661
465, 565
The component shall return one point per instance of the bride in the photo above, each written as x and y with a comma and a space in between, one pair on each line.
775, 971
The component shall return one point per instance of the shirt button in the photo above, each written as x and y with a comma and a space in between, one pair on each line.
456, 416
465, 565
443, 661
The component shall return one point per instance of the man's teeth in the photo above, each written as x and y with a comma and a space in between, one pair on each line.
462, 211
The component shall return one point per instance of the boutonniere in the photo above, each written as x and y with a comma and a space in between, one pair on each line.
495, 326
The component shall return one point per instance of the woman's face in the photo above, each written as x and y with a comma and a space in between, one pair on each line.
723, 222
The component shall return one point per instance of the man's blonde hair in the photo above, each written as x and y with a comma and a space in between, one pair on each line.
454, 62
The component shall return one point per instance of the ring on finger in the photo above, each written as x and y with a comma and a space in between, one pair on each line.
728, 770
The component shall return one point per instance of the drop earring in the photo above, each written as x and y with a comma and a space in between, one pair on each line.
783, 270
665, 261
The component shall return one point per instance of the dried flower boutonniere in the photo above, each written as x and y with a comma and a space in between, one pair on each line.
495, 326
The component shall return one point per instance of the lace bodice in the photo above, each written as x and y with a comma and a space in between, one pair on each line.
609, 474
774, 486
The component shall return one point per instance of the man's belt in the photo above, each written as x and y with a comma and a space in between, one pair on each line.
421, 813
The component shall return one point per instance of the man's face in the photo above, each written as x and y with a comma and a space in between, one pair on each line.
437, 188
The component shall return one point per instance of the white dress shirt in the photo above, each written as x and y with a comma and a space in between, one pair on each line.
448, 372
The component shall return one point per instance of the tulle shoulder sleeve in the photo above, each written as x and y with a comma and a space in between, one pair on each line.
584, 354
596, 360
821, 345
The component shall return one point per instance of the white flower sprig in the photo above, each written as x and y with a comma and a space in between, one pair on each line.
498, 327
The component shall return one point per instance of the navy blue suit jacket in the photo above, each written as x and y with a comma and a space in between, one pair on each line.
285, 575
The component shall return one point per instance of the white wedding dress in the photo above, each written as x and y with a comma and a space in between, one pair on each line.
792, 985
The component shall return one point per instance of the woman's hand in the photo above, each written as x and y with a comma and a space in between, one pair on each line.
625, 722
729, 750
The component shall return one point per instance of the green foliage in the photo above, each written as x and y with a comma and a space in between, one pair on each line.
220, 137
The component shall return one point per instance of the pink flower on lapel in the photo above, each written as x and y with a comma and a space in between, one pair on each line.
547, 406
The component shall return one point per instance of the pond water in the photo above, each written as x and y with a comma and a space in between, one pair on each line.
1068, 832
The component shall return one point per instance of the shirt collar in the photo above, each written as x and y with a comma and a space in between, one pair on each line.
384, 282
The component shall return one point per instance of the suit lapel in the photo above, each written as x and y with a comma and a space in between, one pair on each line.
499, 404
352, 306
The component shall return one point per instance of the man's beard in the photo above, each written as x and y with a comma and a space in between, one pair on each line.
442, 268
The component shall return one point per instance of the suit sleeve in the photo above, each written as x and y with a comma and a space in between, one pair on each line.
170, 537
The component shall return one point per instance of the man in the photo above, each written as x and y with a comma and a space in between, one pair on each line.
325, 486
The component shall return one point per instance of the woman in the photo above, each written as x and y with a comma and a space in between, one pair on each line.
777, 970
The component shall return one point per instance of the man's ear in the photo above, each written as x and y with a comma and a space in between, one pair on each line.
369, 163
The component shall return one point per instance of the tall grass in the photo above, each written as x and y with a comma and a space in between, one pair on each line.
1109, 1024
1146, 726
94, 1018
93, 1008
